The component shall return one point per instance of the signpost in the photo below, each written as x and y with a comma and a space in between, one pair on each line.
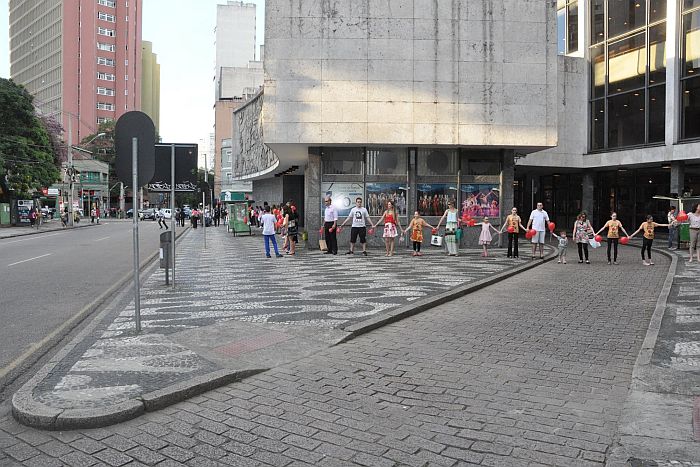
135, 138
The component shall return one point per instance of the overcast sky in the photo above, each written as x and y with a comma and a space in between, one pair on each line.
182, 32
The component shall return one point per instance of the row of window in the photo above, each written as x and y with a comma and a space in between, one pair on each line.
106, 47
106, 17
109, 61
107, 3
106, 32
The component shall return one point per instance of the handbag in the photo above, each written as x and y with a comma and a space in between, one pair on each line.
436, 240
593, 243
322, 245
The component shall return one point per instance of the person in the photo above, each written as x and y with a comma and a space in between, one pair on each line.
194, 215
513, 220
161, 219
330, 222
416, 227
562, 246
217, 215
538, 220
93, 213
64, 217
32, 217
451, 224
268, 222
391, 220
97, 214
648, 227
582, 232
614, 226
694, 231
672, 228
291, 222
485, 236
360, 218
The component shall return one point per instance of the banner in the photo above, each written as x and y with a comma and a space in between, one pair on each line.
185, 168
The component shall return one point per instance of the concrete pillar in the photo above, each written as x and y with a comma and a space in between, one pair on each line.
677, 179
588, 194
412, 193
507, 178
312, 197
672, 72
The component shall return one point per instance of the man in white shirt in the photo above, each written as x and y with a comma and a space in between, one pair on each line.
330, 222
538, 220
268, 222
360, 217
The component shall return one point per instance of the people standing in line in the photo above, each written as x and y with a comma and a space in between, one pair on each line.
672, 228
648, 227
485, 237
451, 225
416, 227
538, 220
614, 226
268, 223
391, 221
330, 223
360, 218
583, 230
694, 230
513, 220
291, 221
561, 246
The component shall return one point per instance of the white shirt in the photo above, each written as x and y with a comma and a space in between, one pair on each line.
358, 216
330, 214
694, 220
539, 220
268, 222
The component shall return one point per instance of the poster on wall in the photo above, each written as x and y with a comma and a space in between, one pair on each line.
433, 198
342, 194
479, 200
23, 208
378, 194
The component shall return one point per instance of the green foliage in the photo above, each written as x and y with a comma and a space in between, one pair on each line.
26, 152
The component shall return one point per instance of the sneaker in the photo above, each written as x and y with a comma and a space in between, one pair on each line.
609, 263
559, 262
268, 256
564, 261
350, 253
651, 263
580, 261
364, 253
280, 256
645, 263
588, 262
615, 263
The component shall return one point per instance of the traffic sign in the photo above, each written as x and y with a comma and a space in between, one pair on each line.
140, 126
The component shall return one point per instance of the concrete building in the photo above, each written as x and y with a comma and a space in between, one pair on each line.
150, 83
80, 59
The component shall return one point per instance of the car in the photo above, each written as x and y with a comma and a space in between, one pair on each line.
149, 213
48, 212
129, 213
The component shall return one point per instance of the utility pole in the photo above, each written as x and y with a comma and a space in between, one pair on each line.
71, 171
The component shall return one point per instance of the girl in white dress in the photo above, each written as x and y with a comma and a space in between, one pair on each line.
485, 236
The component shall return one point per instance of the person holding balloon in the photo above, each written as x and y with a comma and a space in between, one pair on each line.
538, 220
416, 227
485, 236
614, 226
648, 227
582, 232
513, 224
451, 225
562, 246
391, 221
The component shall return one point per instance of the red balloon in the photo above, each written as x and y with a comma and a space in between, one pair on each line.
472, 223
598, 238
532, 232
320, 230
245, 220
370, 231
624, 240
339, 229
552, 226
511, 229
682, 216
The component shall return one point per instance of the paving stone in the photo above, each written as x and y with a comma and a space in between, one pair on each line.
34, 437
87, 445
21, 451
78, 459
43, 460
119, 442
176, 453
55, 449
145, 455
113, 457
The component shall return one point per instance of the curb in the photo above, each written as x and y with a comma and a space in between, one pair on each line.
38, 350
37, 232
31, 413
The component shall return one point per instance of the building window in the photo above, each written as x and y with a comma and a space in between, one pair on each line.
106, 76
105, 91
106, 17
108, 3
106, 32
342, 161
567, 26
105, 106
628, 73
106, 47
690, 70
105, 61
101, 120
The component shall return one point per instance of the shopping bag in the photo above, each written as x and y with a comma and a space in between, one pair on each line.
322, 245
436, 240
593, 243
458, 234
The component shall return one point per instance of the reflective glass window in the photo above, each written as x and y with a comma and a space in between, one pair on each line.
657, 10
625, 16
386, 161
690, 4
598, 124
572, 27
626, 120
433, 162
657, 114
627, 63
597, 21
691, 44
342, 161
691, 108
657, 54
561, 31
598, 71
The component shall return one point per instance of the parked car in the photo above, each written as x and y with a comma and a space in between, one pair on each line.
129, 213
149, 213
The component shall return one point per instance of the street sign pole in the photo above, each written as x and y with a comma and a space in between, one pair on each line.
204, 217
173, 223
135, 178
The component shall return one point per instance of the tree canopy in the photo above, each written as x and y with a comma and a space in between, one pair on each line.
28, 156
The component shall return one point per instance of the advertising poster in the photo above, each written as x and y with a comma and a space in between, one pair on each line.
479, 200
23, 208
433, 198
342, 194
379, 193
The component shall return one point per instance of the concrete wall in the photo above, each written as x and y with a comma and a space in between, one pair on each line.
251, 157
236, 82
448, 72
268, 189
235, 34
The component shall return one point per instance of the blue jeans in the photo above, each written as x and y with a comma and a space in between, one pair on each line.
268, 239
672, 235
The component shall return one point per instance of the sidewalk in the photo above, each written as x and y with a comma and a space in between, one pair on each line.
234, 313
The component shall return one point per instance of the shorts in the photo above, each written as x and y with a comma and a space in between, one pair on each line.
361, 231
539, 237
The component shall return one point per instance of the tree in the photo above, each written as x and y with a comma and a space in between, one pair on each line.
26, 152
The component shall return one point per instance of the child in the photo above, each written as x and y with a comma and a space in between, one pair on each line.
268, 221
648, 227
416, 227
485, 237
563, 243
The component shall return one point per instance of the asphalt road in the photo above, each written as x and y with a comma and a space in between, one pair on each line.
47, 278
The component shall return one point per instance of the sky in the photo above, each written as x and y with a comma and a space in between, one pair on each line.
182, 32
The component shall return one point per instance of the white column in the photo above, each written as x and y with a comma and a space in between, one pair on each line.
672, 72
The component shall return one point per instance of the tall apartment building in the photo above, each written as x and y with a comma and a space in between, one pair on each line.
150, 84
81, 59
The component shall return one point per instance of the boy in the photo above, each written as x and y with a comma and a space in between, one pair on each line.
268, 222
563, 243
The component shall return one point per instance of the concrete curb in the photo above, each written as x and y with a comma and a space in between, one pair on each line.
29, 412
37, 232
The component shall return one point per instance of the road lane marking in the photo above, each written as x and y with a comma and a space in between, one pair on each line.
30, 259
103, 238
37, 237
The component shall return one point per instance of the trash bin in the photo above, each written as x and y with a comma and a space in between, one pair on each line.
684, 230
166, 240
